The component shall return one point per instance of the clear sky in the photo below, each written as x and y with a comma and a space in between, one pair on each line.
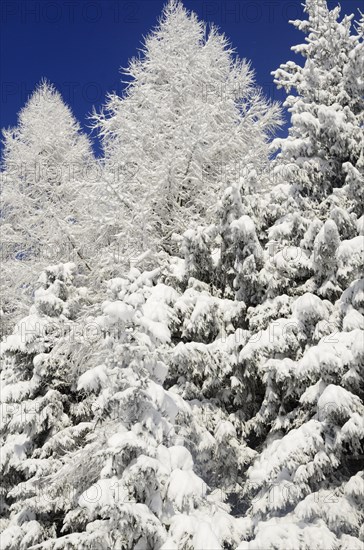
80, 45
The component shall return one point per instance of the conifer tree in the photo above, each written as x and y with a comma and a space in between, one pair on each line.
43, 208
306, 347
108, 464
326, 110
179, 132
43, 417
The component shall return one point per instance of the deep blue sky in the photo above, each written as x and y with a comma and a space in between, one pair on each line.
80, 45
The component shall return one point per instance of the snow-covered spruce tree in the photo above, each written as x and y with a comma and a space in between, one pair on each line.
43, 209
178, 134
306, 347
43, 414
129, 482
217, 285
320, 163
325, 141
354, 87
228, 253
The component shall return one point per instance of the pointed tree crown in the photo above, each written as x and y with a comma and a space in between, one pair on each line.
47, 132
187, 118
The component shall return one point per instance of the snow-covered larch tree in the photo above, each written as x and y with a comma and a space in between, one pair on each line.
179, 133
43, 209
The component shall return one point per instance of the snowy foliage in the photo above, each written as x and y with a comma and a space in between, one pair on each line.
43, 209
211, 395
187, 120
324, 149
113, 459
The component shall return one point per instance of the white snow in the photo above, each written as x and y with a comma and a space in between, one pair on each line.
118, 311
93, 379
